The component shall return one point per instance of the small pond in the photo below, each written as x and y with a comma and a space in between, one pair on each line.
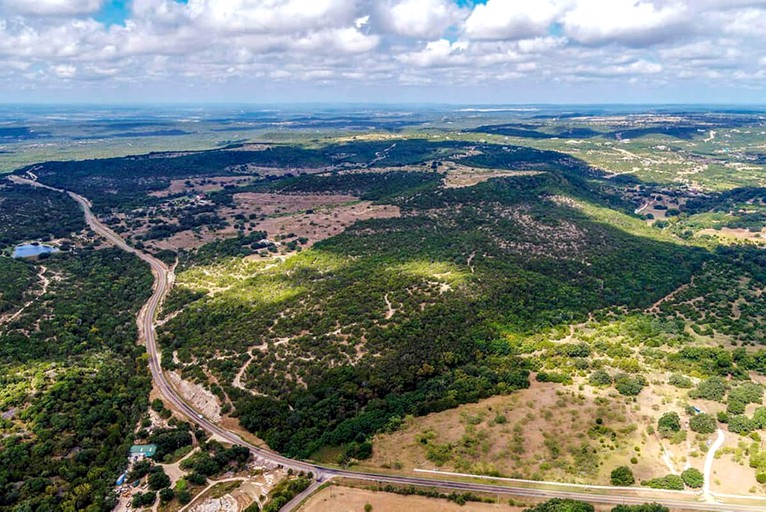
29, 250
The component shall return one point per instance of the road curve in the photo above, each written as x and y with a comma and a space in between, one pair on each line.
162, 282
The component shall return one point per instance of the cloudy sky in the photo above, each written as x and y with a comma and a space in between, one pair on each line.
461, 51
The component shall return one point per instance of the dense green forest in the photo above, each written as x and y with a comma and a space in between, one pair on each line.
123, 183
73, 380
29, 213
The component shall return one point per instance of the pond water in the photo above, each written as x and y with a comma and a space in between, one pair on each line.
28, 250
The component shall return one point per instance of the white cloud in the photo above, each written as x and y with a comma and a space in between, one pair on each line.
424, 19
510, 19
435, 53
625, 21
55, 43
51, 7
64, 70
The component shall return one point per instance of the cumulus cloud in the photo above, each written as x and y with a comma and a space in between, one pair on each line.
46, 43
51, 7
424, 19
435, 53
503, 19
625, 21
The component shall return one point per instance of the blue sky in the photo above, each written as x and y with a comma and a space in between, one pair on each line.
114, 12
461, 51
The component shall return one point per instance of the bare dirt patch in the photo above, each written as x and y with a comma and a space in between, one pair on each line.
200, 185
310, 216
459, 176
550, 432
190, 240
322, 224
731, 472
276, 204
736, 234
351, 499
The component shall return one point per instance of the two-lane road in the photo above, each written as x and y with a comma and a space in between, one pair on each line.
146, 320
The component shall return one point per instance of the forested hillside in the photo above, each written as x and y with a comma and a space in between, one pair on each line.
72, 378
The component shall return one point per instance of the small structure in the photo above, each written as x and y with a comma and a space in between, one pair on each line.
121, 480
141, 451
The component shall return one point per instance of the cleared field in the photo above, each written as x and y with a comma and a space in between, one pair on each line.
458, 176
549, 431
198, 185
350, 499
277, 204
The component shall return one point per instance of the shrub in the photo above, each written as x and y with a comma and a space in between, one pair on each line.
680, 381
600, 378
556, 377
158, 480
647, 507
629, 386
184, 497
759, 417
668, 423
671, 482
703, 423
713, 388
747, 393
693, 478
157, 405
167, 495
144, 499
562, 505
196, 479
735, 407
140, 470
741, 424
622, 476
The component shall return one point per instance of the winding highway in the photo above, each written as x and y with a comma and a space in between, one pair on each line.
163, 279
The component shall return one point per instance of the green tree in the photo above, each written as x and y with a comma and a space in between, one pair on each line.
703, 423
680, 381
157, 405
184, 496
759, 417
166, 495
713, 388
629, 385
600, 378
562, 505
741, 424
672, 482
693, 478
158, 480
735, 407
669, 423
622, 476
647, 507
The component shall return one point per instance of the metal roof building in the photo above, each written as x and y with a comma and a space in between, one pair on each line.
143, 450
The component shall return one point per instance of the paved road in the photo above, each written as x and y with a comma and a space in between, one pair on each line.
163, 277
